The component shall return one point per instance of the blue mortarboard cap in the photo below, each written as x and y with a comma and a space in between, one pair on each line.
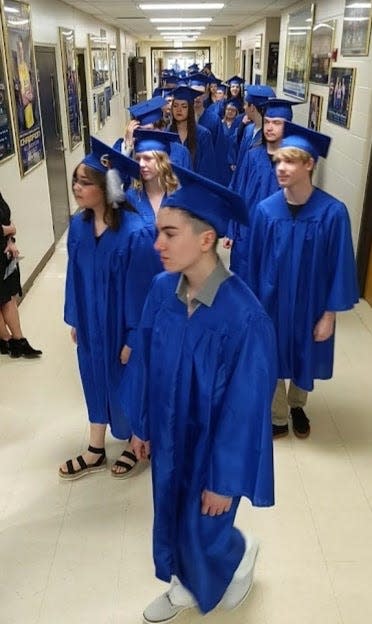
198, 80
315, 143
258, 94
222, 87
234, 102
102, 158
149, 111
194, 68
207, 200
162, 92
214, 80
279, 107
234, 80
154, 140
185, 93
208, 66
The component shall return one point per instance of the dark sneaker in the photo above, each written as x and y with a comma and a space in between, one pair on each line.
22, 347
280, 431
4, 347
300, 422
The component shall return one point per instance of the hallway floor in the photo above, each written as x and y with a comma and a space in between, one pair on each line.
80, 552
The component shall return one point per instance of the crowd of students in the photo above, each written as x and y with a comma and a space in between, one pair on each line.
182, 357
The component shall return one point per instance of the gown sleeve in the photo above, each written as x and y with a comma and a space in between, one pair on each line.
143, 265
70, 294
343, 287
241, 458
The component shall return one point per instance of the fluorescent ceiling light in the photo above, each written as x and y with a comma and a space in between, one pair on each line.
172, 28
206, 6
10, 10
359, 5
356, 19
180, 34
177, 20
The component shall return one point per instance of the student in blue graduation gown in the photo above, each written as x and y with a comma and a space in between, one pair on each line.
111, 263
260, 178
150, 115
230, 123
302, 269
250, 132
157, 180
195, 137
207, 428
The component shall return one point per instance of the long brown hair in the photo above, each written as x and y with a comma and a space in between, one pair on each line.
168, 182
191, 140
111, 215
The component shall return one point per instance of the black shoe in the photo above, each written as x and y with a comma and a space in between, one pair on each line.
4, 347
280, 431
300, 422
22, 347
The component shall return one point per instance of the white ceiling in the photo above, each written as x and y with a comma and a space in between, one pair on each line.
234, 17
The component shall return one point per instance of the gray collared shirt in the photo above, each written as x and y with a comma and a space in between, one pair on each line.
207, 293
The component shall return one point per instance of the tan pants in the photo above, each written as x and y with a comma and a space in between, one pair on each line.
296, 397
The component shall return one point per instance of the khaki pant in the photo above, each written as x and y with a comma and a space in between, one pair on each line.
296, 397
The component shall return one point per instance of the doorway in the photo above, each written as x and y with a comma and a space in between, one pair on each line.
53, 141
364, 255
83, 98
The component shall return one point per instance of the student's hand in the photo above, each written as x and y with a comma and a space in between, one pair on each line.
133, 124
140, 448
325, 327
214, 504
11, 249
9, 230
125, 354
227, 243
73, 335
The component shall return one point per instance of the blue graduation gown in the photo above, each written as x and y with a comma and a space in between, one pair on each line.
205, 158
260, 182
249, 141
300, 268
140, 201
106, 286
213, 123
202, 396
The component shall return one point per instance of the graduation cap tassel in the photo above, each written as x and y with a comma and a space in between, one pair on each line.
114, 188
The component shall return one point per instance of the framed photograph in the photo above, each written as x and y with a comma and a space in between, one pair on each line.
101, 109
99, 60
315, 112
356, 29
23, 83
108, 96
257, 53
297, 53
6, 129
272, 63
71, 85
322, 44
340, 97
114, 73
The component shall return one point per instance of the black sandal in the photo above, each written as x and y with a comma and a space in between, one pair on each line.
129, 468
85, 468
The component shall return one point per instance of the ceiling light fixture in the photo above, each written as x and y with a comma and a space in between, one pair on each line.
178, 20
180, 28
206, 6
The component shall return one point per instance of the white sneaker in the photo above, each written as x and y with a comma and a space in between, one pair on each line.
242, 580
170, 604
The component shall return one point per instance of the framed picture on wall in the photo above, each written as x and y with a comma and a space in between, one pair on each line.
114, 73
71, 85
6, 129
322, 44
340, 96
272, 63
315, 112
356, 29
23, 83
101, 109
99, 60
297, 53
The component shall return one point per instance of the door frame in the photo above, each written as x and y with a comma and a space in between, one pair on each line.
365, 232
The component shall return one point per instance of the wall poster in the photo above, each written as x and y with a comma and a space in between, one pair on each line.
71, 85
340, 96
356, 29
6, 128
315, 112
297, 53
321, 51
99, 60
272, 63
22, 75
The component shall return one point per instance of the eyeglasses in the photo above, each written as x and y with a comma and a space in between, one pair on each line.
82, 182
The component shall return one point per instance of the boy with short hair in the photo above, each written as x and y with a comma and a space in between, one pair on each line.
206, 376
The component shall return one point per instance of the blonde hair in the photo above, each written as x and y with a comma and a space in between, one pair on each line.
168, 181
292, 153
